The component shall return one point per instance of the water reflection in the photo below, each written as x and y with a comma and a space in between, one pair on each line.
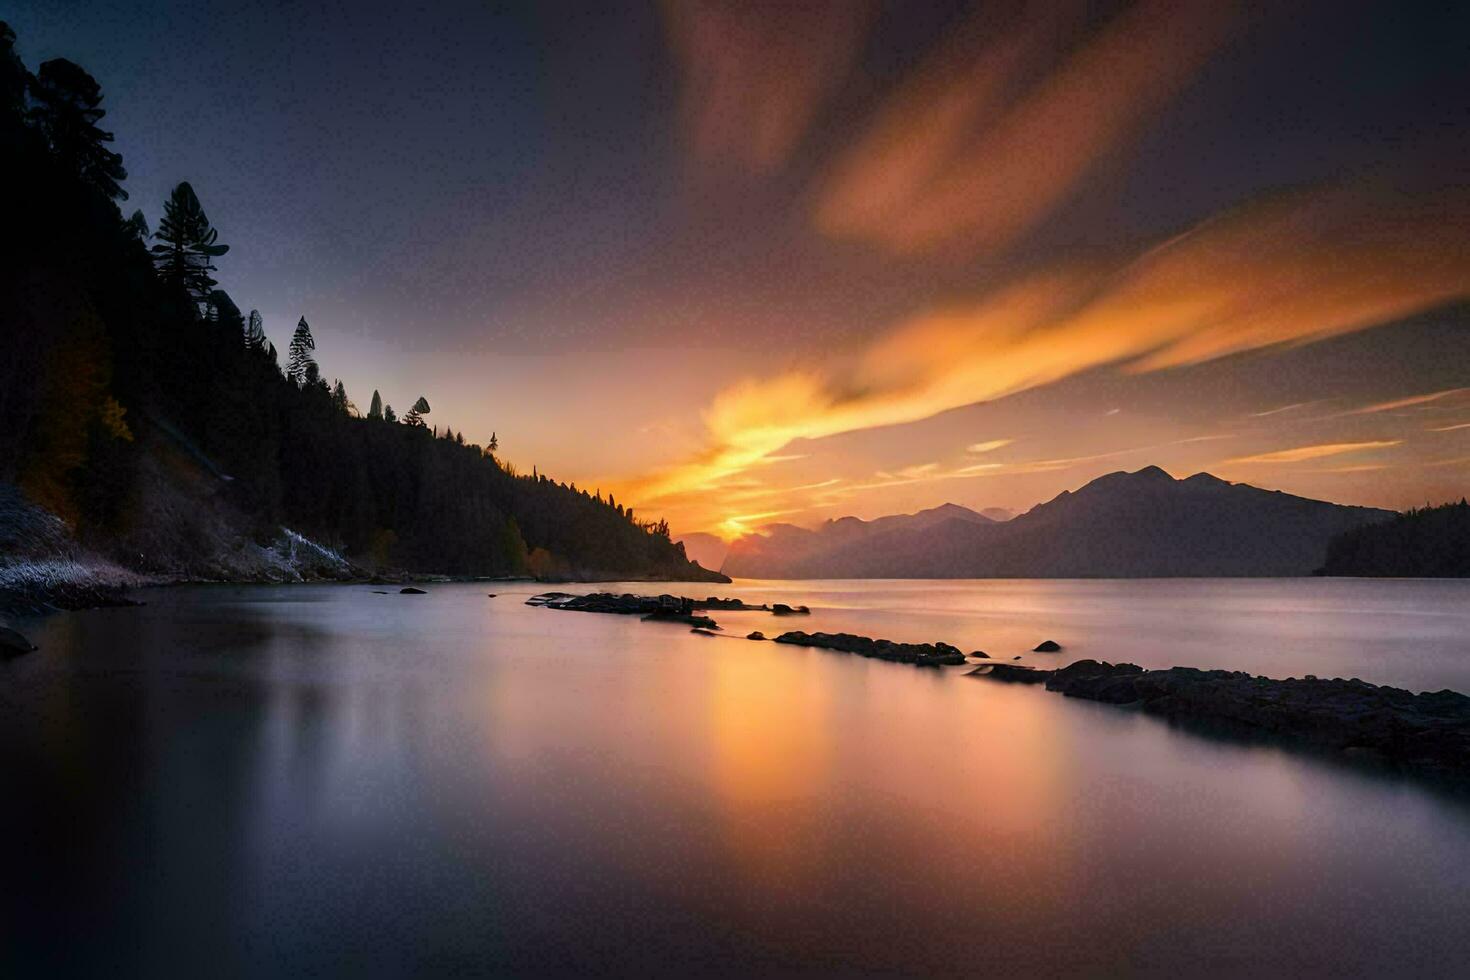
258, 781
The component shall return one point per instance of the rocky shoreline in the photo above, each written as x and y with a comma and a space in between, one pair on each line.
1420, 734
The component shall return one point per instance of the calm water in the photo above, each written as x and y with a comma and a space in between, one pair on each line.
287, 781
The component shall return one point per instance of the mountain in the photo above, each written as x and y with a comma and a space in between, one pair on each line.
788, 551
1123, 525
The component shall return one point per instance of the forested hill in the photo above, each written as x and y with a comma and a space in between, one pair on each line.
140, 405
1431, 542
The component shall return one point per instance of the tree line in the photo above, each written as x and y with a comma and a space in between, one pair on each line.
1425, 542
121, 351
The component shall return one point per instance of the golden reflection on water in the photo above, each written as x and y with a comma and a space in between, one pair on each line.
771, 741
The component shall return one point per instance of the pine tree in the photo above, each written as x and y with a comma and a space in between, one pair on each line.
188, 244
221, 309
494, 443
299, 359
375, 410
389, 415
416, 414
255, 332
66, 111
340, 399
14, 81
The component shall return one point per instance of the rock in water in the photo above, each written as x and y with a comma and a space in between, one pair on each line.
490, 595
1047, 646
12, 644
1011, 674
919, 654
412, 591
757, 635
980, 654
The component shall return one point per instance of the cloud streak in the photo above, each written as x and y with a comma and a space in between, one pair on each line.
754, 77
1406, 402
959, 154
1303, 453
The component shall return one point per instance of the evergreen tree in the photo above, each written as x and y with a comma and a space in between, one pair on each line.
388, 414
299, 359
222, 310
416, 414
375, 410
66, 112
138, 226
188, 244
255, 332
494, 443
340, 399
14, 81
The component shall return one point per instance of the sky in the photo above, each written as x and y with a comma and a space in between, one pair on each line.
744, 263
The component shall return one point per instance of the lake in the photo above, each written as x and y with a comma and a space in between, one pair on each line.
263, 781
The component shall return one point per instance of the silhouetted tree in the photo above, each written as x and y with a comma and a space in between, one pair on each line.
340, 400
255, 332
389, 415
222, 310
138, 226
416, 414
66, 111
299, 359
375, 410
494, 443
188, 244
14, 81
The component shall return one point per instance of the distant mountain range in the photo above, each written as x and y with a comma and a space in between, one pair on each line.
1124, 525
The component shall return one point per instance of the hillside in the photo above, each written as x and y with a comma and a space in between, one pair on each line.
1431, 542
146, 412
1124, 525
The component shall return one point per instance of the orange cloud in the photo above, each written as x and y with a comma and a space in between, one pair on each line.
754, 76
1289, 270
956, 155
1302, 453
1406, 402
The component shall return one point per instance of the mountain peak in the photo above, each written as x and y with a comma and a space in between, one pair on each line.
1206, 480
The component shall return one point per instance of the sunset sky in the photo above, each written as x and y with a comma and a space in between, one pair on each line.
744, 263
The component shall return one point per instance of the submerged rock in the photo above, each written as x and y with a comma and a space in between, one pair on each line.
1047, 646
1011, 674
782, 609
919, 654
410, 590
13, 644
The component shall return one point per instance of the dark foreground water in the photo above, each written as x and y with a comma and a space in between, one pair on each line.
320, 780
